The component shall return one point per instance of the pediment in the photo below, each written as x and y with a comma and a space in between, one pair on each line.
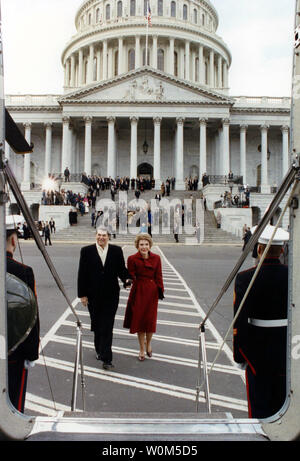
146, 86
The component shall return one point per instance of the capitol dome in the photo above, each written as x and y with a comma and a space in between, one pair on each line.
112, 39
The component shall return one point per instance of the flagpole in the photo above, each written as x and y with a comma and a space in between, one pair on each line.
147, 30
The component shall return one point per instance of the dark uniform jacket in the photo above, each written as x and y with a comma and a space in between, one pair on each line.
29, 349
100, 284
263, 348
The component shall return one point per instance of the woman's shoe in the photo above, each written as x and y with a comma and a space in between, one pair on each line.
149, 354
141, 358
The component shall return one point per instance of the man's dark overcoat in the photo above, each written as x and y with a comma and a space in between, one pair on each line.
100, 285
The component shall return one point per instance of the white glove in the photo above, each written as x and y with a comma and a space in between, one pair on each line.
28, 364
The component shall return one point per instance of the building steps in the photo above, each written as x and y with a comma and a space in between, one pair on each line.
83, 231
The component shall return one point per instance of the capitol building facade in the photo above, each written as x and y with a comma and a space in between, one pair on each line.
150, 100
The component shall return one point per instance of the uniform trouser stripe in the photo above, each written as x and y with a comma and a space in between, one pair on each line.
21, 400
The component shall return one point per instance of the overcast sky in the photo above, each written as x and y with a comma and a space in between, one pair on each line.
259, 34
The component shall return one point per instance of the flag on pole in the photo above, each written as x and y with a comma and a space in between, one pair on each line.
148, 17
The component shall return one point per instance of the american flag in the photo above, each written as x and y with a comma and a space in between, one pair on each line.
148, 17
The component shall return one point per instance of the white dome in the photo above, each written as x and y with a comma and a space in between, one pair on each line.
113, 38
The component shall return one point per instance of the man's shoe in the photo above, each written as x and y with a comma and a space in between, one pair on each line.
98, 356
108, 366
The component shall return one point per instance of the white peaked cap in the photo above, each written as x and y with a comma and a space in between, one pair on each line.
10, 223
279, 238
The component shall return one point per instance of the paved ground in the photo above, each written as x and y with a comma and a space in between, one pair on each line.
166, 382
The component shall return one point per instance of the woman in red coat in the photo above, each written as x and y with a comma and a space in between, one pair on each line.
141, 311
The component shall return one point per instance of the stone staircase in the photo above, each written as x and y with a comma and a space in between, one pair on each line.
83, 232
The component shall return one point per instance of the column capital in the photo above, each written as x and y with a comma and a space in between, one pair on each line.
48, 124
180, 120
264, 126
226, 121
243, 127
203, 120
88, 119
66, 119
285, 128
157, 120
133, 119
27, 125
111, 119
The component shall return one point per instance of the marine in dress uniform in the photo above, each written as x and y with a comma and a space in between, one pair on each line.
27, 352
260, 330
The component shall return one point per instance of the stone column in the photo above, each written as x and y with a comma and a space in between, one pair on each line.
48, 147
27, 157
137, 52
201, 65
265, 187
181, 64
80, 67
225, 75
179, 154
72, 83
120, 56
110, 63
91, 65
156, 172
104, 60
133, 147
111, 155
187, 60
285, 149
154, 52
243, 150
68, 72
171, 56
225, 147
88, 146
98, 65
220, 83
65, 144
212, 69
203, 148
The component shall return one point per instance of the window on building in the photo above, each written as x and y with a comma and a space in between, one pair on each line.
132, 7
203, 19
173, 9
131, 59
195, 16
175, 64
145, 7
97, 14
184, 12
90, 19
119, 9
160, 59
160, 8
107, 11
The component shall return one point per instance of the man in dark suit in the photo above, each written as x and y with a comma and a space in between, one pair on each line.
100, 266
23, 357
260, 330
